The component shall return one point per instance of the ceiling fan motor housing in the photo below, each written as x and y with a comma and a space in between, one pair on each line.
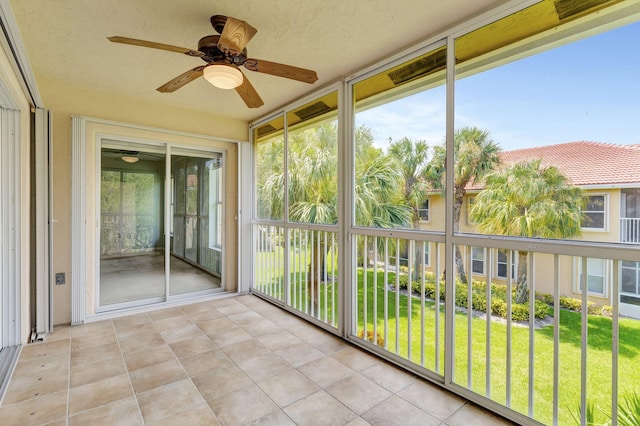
212, 54
217, 22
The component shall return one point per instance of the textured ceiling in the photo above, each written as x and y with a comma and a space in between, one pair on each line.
67, 40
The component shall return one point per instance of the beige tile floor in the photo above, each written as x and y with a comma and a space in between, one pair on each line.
234, 361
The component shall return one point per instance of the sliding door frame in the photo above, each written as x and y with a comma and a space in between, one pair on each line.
87, 137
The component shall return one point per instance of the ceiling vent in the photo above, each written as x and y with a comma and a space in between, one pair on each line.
312, 110
569, 8
265, 130
434, 62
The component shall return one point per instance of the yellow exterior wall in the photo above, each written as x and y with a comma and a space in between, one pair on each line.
436, 221
64, 102
543, 272
612, 229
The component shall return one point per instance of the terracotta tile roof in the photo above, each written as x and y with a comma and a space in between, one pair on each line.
586, 163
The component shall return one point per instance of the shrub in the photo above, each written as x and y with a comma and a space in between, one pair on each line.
546, 298
479, 301
499, 307
571, 303
429, 289
542, 303
520, 312
403, 280
606, 311
629, 410
499, 291
541, 309
379, 339
574, 304
461, 295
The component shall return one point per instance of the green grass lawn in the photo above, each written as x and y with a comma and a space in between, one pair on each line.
405, 316
406, 331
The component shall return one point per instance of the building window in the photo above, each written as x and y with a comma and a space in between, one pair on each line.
423, 211
477, 260
597, 276
504, 265
470, 202
426, 246
594, 214
630, 280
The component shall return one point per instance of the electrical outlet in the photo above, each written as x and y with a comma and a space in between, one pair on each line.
59, 278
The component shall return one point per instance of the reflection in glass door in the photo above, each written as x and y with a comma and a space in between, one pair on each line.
196, 238
131, 227
133, 251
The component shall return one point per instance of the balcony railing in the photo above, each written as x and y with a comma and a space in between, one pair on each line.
299, 268
533, 361
404, 320
630, 230
542, 365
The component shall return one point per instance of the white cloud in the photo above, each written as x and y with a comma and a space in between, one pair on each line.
417, 117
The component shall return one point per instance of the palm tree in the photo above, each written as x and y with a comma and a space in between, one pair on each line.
312, 181
475, 155
313, 174
313, 190
412, 160
270, 179
377, 198
528, 200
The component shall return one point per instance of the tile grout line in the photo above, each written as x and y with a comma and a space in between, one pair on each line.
241, 369
135, 396
294, 368
270, 352
185, 370
69, 379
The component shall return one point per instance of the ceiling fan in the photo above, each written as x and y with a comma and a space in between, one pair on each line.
224, 54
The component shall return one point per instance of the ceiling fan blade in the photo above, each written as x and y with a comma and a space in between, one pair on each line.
249, 94
181, 80
235, 36
281, 70
154, 45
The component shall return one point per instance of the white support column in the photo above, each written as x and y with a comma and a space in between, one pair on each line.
78, 219
10, 226
42, 230
243, 218
449, 249
346, 306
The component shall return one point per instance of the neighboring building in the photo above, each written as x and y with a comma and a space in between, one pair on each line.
610, 175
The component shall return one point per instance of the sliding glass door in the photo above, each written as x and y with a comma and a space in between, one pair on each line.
131, 226
196, 240
138, 265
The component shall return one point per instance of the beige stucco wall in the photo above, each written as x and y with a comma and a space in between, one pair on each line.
611, 233
543, 271
436, 215
64, 102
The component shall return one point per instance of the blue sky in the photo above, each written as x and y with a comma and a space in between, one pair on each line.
587, 90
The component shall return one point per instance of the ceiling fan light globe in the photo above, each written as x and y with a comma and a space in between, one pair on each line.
223, 76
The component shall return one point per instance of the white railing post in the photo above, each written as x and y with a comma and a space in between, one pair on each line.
630, 230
